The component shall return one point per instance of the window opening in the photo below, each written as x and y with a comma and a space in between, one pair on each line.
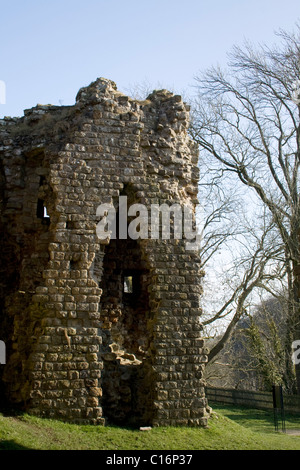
128, 285
41, 212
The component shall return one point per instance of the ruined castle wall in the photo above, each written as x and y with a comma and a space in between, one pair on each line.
79, 346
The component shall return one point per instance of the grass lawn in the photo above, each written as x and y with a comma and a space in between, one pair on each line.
230, 428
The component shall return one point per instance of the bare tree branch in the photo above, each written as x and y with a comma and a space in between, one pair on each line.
246, 123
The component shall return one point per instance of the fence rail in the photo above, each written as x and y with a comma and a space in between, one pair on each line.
259, 400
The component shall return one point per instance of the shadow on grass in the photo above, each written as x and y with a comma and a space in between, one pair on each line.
9, 411
12, 445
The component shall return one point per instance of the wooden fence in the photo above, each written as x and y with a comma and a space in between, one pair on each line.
259, 400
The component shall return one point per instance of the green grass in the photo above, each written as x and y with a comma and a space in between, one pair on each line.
230, 428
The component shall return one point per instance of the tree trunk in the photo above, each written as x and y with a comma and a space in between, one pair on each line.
296, 297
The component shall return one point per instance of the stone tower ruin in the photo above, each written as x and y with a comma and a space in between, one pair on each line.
99, 330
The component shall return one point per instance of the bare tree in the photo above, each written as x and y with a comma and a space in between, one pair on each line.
254, 267
266, 335
258, 353
246, 122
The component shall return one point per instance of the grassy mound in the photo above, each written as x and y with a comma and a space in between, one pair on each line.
230, 428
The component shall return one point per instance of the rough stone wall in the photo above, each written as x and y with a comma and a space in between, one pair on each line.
79, 347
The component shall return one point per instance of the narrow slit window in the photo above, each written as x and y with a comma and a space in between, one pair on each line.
41, 212
128, 284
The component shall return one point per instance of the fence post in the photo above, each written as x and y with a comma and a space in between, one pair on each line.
278, 406
2, 352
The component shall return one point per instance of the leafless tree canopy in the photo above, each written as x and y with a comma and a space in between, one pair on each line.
246, 122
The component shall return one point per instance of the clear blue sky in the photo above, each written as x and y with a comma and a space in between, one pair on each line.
51, 48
